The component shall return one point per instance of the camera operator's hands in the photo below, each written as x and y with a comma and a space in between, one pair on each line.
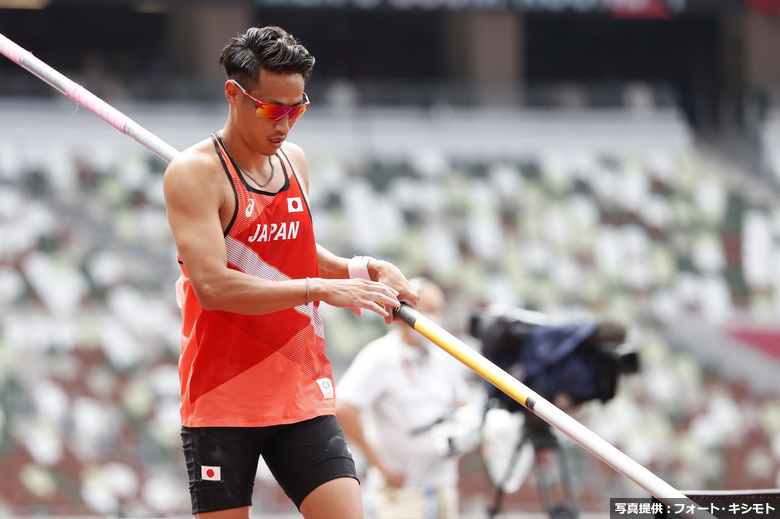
393, 478
458, 434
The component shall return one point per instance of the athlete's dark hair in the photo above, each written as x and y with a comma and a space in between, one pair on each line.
268, 48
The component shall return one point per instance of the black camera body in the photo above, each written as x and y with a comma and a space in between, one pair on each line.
581, 360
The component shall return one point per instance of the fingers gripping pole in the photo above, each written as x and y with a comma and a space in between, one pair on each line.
85, 98
548, 412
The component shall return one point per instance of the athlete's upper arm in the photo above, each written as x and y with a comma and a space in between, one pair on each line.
193, 198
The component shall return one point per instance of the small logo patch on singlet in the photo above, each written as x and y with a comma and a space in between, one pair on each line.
326, 386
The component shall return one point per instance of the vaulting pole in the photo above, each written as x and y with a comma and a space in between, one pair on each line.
412, 318
85, 98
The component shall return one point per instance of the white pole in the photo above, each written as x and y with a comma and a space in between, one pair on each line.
85, 98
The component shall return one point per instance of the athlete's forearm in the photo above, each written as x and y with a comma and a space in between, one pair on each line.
332, 266
238, 292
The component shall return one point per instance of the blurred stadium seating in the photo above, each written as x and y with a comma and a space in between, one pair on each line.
770, 137
609, 214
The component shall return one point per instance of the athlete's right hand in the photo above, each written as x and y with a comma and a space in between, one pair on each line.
356, 294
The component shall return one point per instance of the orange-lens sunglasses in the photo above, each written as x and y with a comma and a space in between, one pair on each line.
273, 111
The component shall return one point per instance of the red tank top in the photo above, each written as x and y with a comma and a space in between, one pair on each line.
257, 370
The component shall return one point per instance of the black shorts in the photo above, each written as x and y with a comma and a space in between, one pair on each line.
222, 461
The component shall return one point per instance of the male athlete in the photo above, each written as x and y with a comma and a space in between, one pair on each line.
255, 380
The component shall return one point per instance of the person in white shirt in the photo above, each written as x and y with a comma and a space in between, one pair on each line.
408, 407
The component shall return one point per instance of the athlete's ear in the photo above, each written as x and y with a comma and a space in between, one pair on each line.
232, 93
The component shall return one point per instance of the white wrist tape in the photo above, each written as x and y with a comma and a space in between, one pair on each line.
358, 267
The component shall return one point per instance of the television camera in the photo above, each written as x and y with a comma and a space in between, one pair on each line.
578, 362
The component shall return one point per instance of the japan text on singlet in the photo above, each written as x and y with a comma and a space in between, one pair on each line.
257, 370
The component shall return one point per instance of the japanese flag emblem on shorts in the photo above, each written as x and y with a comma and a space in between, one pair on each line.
210, 473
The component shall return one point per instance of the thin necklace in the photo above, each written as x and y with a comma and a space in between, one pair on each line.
245, 172
273, 170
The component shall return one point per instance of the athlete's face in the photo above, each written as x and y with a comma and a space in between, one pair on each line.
284, 90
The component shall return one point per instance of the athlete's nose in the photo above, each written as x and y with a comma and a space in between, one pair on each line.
283, 124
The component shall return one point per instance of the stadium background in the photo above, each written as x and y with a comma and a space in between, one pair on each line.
610, 158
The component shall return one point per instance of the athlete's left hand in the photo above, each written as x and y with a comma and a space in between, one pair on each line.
390, 275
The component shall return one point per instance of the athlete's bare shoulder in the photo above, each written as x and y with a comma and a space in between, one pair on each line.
198, 159
292, 149
298, 160
196, 171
